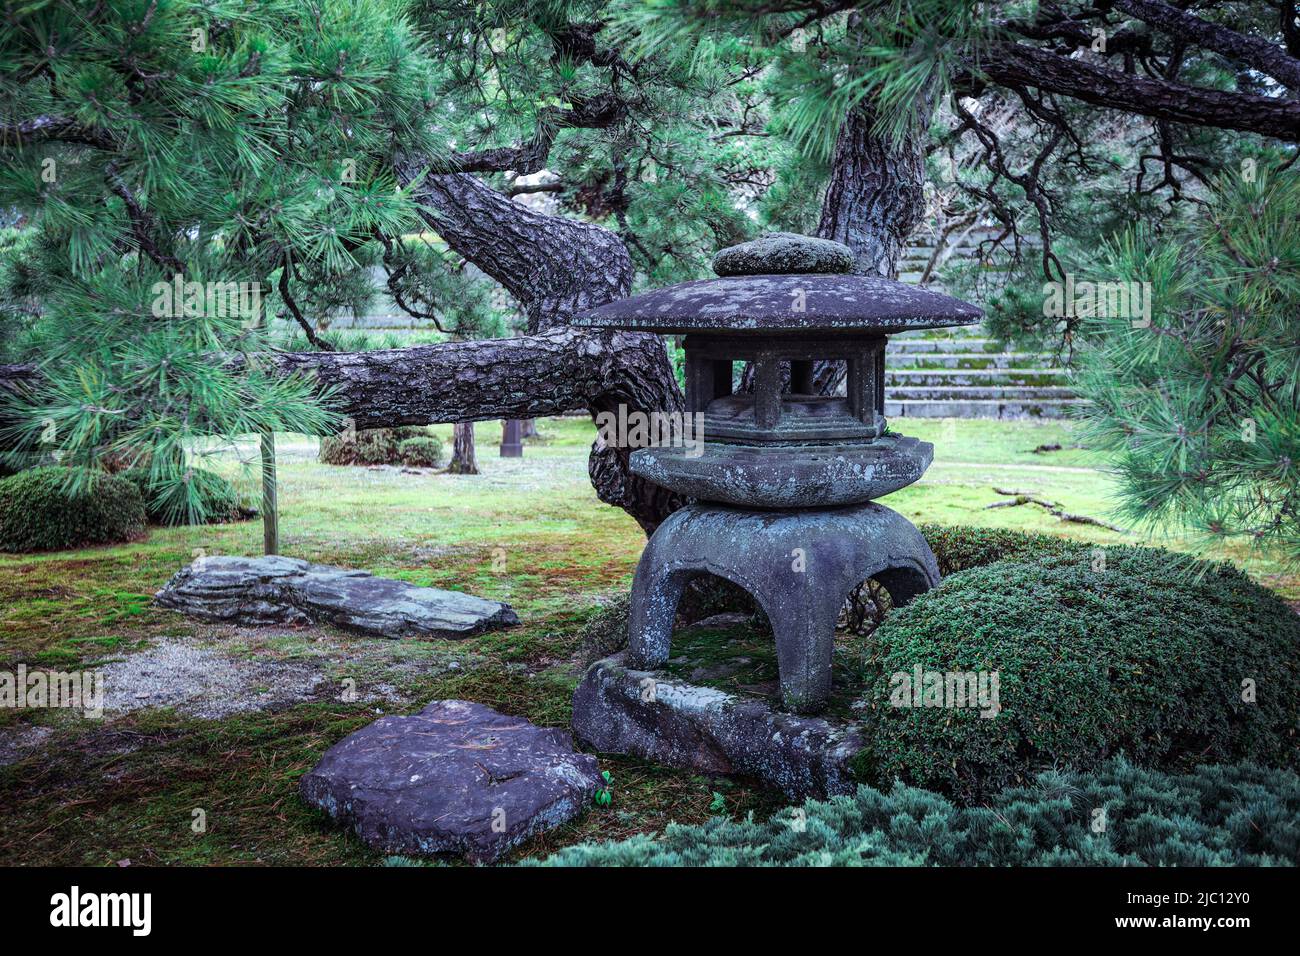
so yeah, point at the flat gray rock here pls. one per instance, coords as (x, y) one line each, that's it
(620, 709)
(458, 777)
(783, 253)
(279, 590)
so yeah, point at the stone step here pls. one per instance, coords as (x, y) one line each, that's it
(901, 345)
(955, 333)
(967, 360)
(977, 377)
(983, 408)
(963, 393)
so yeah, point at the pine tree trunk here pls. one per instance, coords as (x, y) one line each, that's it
(876, 195)
(463, 460)
(874, 202)
(270, 496)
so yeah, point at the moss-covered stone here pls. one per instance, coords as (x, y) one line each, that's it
(784, 253)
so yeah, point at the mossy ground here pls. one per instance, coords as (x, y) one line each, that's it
(529, 531)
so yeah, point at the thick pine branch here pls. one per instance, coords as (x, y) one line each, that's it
(1020, 66)
(1256, 52)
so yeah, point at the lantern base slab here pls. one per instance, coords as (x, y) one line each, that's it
(650, 714)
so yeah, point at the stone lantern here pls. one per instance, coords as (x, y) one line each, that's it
(784, 489)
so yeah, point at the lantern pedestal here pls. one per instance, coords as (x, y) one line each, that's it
(799, 565)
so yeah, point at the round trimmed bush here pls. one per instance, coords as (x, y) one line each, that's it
(39, 511)
(1165, 660)
(369, 446)
(423, 451)
(218, 500)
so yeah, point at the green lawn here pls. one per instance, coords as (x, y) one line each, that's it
(97, 792)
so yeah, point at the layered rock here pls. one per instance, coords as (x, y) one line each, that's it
(279, 590)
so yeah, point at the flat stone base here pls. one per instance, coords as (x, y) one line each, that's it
(617, 709)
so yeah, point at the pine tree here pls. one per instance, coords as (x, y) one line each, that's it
(185, 164)
(1201, 408)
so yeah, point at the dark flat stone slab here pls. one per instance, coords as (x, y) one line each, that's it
(279, 590)
(618, 709)
(458, 777)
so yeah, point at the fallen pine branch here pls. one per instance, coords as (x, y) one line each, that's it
(1025, 498)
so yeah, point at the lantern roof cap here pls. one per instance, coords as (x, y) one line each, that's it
(784, 305)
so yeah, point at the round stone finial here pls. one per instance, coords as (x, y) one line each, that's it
(784, 253)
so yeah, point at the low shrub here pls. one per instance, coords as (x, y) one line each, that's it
(369, 446)
(1214, 816)
(1156, 657)
(423, 451)
(207, 498)
(958, 548)
(51, 509)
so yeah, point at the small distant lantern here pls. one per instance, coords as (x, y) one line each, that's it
(512, 438)
(787, 478)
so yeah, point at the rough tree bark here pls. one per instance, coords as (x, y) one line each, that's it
(557, 267)
(874, 201)
(876, 195)
(463, 459)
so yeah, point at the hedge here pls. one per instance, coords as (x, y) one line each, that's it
(40, 511)
(372, 446)
(1120, 815)
(1152, 657)
(423, 451)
